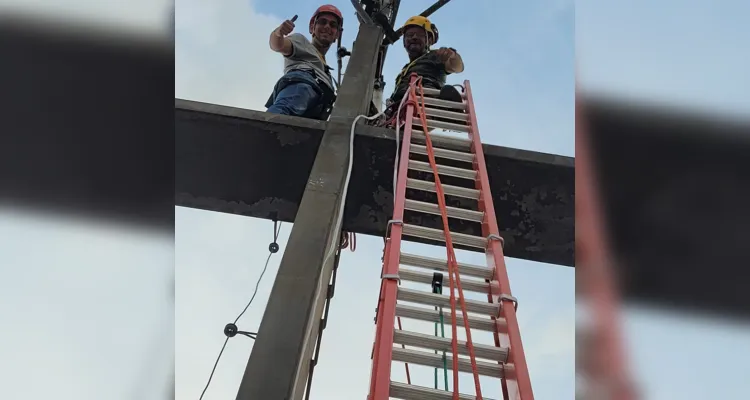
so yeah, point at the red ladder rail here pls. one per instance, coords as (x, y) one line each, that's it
(607, 367)
(517, 383)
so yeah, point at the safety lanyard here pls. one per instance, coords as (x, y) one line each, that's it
(322, 59)
(406, 68)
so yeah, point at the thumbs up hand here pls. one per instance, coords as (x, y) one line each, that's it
(287, 26)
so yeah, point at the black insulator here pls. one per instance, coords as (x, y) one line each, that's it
(230, 330)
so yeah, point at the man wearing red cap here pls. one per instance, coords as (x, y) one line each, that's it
(306, 89)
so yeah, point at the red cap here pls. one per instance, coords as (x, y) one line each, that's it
(328, 8)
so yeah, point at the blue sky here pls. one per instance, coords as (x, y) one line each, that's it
(690, 53)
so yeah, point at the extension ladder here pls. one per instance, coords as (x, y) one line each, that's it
(505, 358)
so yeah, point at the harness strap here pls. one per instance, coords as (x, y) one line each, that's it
(327, 96)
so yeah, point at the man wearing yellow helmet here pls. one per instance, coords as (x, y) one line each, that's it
(432, 65)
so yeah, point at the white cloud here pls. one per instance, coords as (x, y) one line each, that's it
(222, 54)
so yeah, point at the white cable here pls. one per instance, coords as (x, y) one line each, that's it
(349, 173)
(342, 202)
(351, 162)
(335, 243)
(351, 158)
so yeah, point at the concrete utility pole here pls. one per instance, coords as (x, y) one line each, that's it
(280, 360)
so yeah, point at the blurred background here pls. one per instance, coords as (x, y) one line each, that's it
(86, 214)
(662, 138)
(92, 247)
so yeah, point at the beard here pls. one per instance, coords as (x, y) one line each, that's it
(325, 39)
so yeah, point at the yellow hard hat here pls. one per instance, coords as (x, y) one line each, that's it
(420, 21)
(435, 35)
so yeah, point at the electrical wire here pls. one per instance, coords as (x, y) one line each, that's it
(340, 215)
(224, 346)
(251, 335)
(255, 292)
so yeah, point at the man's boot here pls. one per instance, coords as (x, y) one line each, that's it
(450, 93)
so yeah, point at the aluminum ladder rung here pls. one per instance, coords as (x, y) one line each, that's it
(434, 92)
(437, 234)
(436, 361)
(403, 391)
(429, 91)
(440, 344)
(452, 212)
(450, 190)
(448, 126)
(443, 153)
(443, 140)
(434, 112)
(453, 105)
(476, 271)
(439, 300)
(443, 170)
(472, 285)
(432, 315)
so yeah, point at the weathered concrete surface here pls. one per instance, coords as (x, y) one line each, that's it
(256, 164)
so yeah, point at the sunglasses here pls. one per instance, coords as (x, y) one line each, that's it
(413, 34)
(330, 22)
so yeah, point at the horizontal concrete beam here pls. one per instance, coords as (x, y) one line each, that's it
(257, 164)
(675, 193)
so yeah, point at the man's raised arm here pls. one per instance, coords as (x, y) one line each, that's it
(278, 40)
(452, 60)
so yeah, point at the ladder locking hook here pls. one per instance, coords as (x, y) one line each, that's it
(507, 297)
(497, 237)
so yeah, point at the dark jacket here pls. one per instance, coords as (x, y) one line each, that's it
(429, 67)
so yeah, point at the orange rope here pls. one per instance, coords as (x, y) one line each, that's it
(452, 266)
(348, 239)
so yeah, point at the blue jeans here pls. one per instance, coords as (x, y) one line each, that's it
(296, 93)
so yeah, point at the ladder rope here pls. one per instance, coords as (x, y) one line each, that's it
(452, 265)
